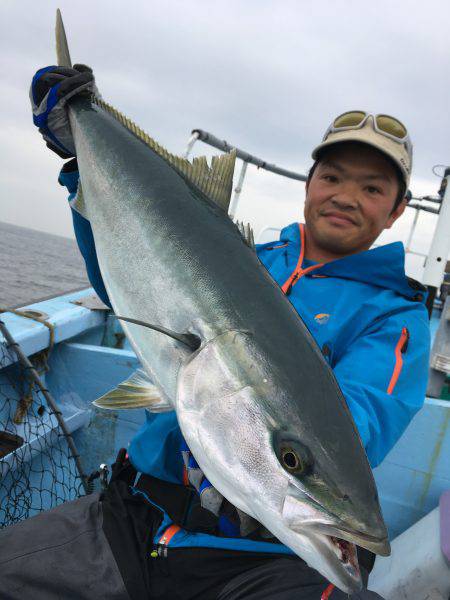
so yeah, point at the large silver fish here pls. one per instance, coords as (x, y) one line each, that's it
(255, 400)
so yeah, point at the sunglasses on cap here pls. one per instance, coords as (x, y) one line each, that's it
(383, 124)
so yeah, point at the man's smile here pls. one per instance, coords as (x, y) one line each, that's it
(338, 218)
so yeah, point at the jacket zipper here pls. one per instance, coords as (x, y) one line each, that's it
(160, 549)
(298, 272)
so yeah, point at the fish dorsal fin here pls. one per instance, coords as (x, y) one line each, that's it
(215, 181)
(135, 392)
(247, 234)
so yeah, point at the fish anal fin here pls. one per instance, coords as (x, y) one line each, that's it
(135, 392)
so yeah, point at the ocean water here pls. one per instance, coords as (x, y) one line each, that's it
(36, 265)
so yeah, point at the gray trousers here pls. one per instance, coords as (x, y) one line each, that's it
(61, 554)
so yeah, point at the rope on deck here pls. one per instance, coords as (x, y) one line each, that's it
(29, 314)
(40, 359)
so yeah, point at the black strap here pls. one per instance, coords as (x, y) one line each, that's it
(175, 499)
(129, 523)
(181, 503)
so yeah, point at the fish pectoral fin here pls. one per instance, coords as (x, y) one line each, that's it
(135, 392)
(78, 203)
(190, 340)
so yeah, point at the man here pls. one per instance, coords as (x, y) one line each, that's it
(370, 322)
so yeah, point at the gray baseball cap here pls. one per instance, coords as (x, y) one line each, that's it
(383, 132)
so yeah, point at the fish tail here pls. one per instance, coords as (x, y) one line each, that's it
(215, 181)
(62, 48)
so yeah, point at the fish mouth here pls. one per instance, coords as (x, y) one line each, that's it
(374, 544)
(302, 513)
(333, 536)
(347, 556)
(341, 557)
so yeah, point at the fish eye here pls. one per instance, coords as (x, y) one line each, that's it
(292, 454)
(292, 461)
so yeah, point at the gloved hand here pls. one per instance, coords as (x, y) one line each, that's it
(50, 90)
(210, 498)
(231, 521)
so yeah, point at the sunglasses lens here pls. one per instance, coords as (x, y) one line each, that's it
(349, 119)
(391, 126)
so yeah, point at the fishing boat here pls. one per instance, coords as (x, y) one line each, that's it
(59, 354)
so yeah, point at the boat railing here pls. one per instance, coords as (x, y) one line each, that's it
(246, 157)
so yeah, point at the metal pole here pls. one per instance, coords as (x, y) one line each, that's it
(411, 232)
(190, 145)
(28, 366)
(440, 244)
(237, 191)
(440, 354)
(212, 140)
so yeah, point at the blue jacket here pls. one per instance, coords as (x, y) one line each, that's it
(370, 321)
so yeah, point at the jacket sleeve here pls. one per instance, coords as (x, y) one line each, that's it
(383, 376)
(83, 233)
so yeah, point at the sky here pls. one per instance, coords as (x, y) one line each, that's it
(266, 76)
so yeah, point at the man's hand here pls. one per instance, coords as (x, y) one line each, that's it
(50, 90)
(210, 498)
(231, 521)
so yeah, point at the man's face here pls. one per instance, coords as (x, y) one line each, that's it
(350, 198)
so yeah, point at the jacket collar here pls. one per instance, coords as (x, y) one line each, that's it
(383, 266)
